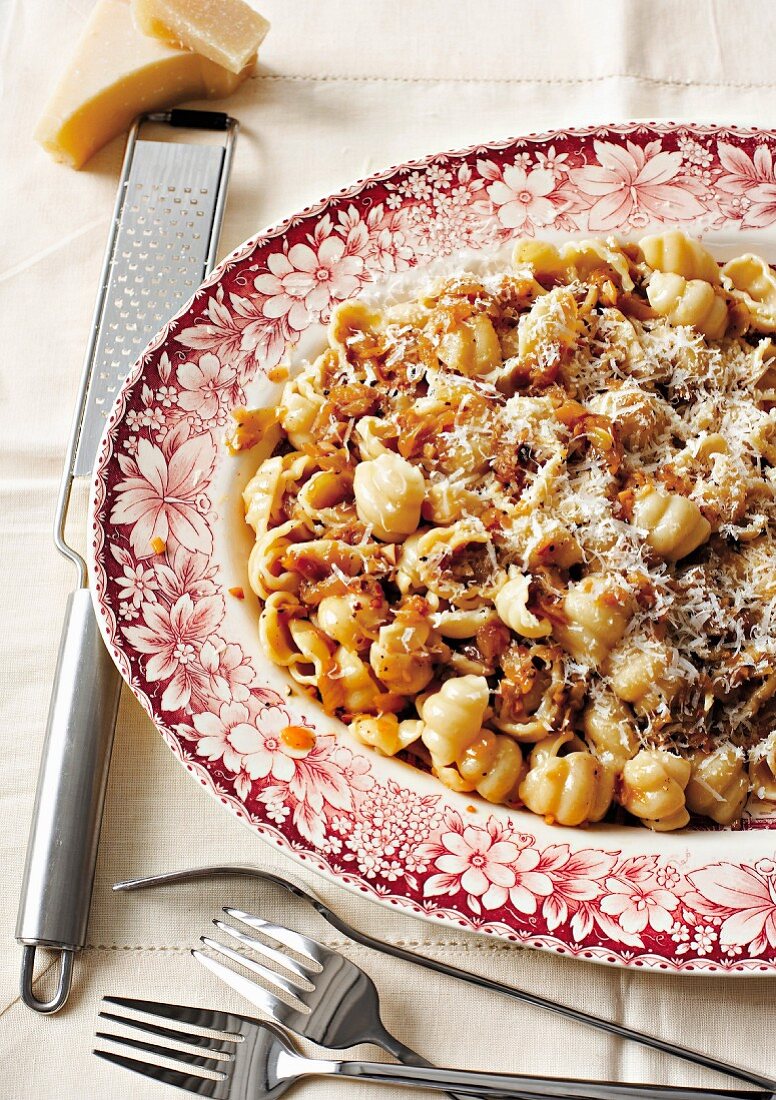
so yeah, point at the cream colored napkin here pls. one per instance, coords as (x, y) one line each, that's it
(344, 88)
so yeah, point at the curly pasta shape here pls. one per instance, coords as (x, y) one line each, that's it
(652, 788)
(543, 258)
(596, 617)
(402, 657)
(675, 253)
(352, 323)
(472, 348)
(640, 673)
(389, 492)
(586, 257)
(267, 569)
(750, 281)
(279, 611)
(320, 500)
(719, 785)
(375, 437)
(493, 764)
(511, 605)
(571, 788)
(675, 525)
(453, 717)
(527, 705)
(300, 404)
(458, 622)
(353, 620)
(385, 732)
(447, 501)
(350, 685)
(610, 730)
(312, 661)
(640, 416)
(264, 493)
(688, 302)
(455, 563)
(261, 495)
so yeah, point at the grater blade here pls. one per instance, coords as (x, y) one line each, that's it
(157, 257)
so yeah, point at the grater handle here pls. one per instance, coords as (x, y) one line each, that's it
(62, 849)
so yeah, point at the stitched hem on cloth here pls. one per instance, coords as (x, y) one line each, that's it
(541, 80)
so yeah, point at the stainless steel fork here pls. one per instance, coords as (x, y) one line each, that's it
(252, 1060)
(336, 1005)
(332, 1001)
(306, 894)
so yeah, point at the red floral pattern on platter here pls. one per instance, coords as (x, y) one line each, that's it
(612, 895)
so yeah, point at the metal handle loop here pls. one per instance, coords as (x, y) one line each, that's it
(66, 957)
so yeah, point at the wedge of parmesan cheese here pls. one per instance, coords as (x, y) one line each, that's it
(227, 32)
(115, 74)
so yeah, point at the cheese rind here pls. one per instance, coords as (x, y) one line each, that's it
(228, 32)
(115, 74)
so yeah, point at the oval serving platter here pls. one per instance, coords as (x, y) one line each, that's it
(169, 548)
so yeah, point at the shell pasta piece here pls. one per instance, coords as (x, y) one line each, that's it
(566, 783)
(653, 786)
(494, 765)
(389, 493)
(718, 785)
(688, 302)
(610, 730)
(511, 604)
(679, 254)
(595, 618)
(553, 320)
(752, 283)
(471, 348)
(453, 717)
(675, 525)
(385, 732)
(402, 656)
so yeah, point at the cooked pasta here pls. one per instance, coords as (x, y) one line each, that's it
(519, 530)
(566, 783)
(453, 717)
(688, 302)
(653, 788)
(718, 784)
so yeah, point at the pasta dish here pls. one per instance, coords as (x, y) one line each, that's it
(519, 530)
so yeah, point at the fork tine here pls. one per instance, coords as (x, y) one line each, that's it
(247, 988)
(202, 1086)
(278, 957)
(218, 1065)
(224, 1045)
(198, 1017)
(311, 949)
(290, 987)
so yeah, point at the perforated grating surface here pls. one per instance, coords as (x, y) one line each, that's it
(159, 257)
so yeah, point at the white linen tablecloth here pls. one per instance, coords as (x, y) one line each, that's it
(343, 88)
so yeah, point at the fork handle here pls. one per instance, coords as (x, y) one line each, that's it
(404, 1054)
(475, 1083)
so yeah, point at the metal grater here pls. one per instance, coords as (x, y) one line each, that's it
(169, 213)
(166, 224)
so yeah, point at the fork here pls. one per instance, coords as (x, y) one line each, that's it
(252, 1060)
(337, 1005)
(306, 894)
(342, 1009)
